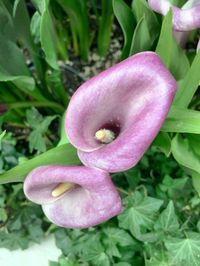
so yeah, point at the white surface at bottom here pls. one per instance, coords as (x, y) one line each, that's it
(35, 255)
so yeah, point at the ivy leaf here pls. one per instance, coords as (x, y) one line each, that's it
(184, 251)
(173, 188)
(63, 241)
(115, 238)
(13, 240)
(33, 117)
(160, 259)
(168, 221)
(140, 213)
(40, 126)
(119, 236)
(96, 254)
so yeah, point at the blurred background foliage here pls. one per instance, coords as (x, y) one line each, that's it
(47, 49)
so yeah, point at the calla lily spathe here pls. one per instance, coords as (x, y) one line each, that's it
(185, 19)
(73, 197)
(131, 100)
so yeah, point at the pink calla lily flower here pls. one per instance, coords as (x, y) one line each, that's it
(185, 19)
(73, 196)
(113, 118)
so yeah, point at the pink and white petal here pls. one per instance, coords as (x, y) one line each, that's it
(136, 94)
(161, 6)
(82, 208)
(186, 19)
(116, 96)
(92, 200)
(191, 3)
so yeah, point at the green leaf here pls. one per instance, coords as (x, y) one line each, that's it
(189, 84)
(1, 137)
(63, 241)
(63, 136)
(140, 213)
(182, 121)
(159, 258)
(34, 118)
(133, 176)
(141, 9)
(40, 126)
(196, 181)
(97, 255)
(169, 51)
(13, 67)
(21, 22)
(48, 39)
(184, 251)
(141, 39)
(184, 154)
(168, 221)
(48, 36)
(174, 188)
(3, 215)
(13, 240)
(163, 143)
(194, 140)
(37, 121)
(105, 27)
(126, 20)
(77, 12)
(119, 236)
(35, 27)
(6, 21)
(65, 155)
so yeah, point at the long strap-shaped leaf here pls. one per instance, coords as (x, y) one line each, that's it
(189, 85)
(61, 155)
(182, 120)
(127, 22)
(77, 12)
(105, 27)
(171, 54)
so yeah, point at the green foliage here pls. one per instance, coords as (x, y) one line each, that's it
(184, 251)
(39, 126)
(169, 51)
(189, 85)
(21, 222)
(160, 222)
(77, 12)
(126, 20)
(141, 38)
(149, 25)
(105, 27)
(182, 120)
(47, 35)
(140, 214)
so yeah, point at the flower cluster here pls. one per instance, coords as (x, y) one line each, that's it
(111, 120)
(185, 19)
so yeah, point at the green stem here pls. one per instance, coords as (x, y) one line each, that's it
(36, 104)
